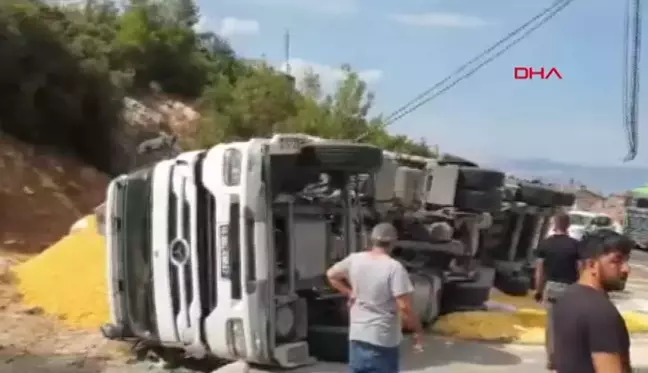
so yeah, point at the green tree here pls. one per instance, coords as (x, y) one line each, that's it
(261, 102)
(67, 69)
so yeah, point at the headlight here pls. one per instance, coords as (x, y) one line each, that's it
(236, 338)
(285, 321)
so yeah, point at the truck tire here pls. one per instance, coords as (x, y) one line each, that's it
(446, 158)
(479, 178)
(536, 194)
(478, 201)
(466, 296)
(564, 199)
(515, 284)
(350, 157)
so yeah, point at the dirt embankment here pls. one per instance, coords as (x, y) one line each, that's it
(41, 195)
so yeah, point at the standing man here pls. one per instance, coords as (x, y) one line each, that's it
(379, 292)
(556, 269)
(591, 335)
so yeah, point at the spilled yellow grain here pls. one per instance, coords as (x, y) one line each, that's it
(524, 326)
(69, 279)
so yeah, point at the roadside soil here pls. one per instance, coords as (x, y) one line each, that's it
(41, 195)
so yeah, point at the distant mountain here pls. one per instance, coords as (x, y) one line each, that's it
(604, 179)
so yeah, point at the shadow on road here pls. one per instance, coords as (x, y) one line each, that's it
(448, 352)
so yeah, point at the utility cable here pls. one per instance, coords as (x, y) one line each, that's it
(631, 73)
(477, 58)
(547, 17)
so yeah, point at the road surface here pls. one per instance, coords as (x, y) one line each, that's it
(635, 296)
(441, 354)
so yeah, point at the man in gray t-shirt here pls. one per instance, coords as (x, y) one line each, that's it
(379, 291)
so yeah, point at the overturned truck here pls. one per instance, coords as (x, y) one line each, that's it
(223, 252)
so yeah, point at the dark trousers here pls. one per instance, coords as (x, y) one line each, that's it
(368, 358)
(551, 293)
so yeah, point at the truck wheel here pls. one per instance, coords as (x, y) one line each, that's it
(536, 194)
(350, 157)
(465, 296)
(564, 199)
(478, 201)
(515, 284)
(446, 158)
(479, 178)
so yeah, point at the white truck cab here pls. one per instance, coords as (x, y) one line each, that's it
(221, 252)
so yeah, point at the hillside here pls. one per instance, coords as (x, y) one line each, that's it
(42, 194)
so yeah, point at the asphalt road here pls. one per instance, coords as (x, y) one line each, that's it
(635, 296)
(441, 355)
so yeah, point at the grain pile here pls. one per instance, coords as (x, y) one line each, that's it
(69, 279)
(525, 325)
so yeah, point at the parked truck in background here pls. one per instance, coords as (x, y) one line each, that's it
(635, 222)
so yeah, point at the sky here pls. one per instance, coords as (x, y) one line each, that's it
(402, 48)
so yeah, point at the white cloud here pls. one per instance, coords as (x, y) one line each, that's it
(329, 75)
(437, 19)
(232, 26)
(331, 7)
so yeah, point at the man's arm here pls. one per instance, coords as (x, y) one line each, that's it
(338, 276)
(539, 268)
(609, 352)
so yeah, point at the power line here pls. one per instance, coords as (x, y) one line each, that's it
(631, 76)
(476, 58)
(563, 4)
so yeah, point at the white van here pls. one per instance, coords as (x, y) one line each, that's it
(587, 221)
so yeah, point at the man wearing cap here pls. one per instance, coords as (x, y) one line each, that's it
(590, 334)
(379, 291)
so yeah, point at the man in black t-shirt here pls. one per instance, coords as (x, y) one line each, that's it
(590, 334)
(556, 269)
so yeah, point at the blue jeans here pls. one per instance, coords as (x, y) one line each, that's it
(368, 358)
